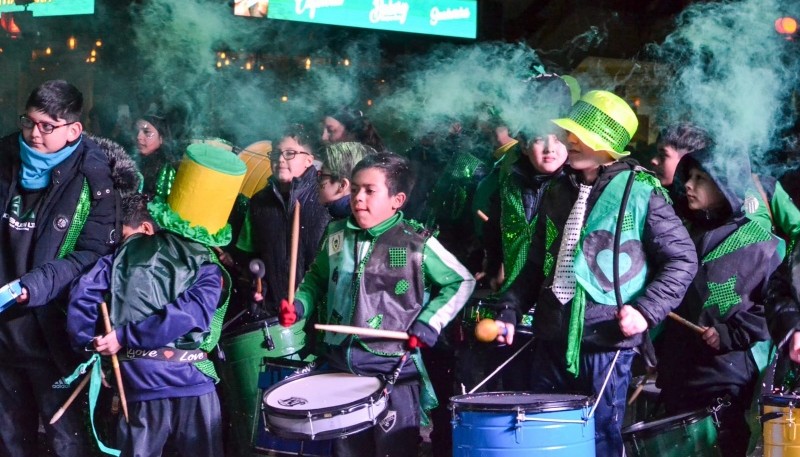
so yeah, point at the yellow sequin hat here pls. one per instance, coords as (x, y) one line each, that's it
(602, 121)
(202, 195)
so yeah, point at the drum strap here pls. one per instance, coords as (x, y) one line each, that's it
(165, 354)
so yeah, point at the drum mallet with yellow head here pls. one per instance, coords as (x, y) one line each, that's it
(488, 330)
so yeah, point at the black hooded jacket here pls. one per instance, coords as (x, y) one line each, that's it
(737, 256)
(37, 329)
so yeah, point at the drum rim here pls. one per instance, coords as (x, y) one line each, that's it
(580, 401)
(780, 400)
(692, 417)
(326, 435)
(315, 413)
(255, 325)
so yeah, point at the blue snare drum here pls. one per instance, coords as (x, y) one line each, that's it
(510, 424)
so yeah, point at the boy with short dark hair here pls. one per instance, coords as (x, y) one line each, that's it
(168, 295)
(587, 321)
(375, 270)
(58, 218)
(725, 299)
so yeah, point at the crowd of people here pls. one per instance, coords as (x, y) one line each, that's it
(591, 261)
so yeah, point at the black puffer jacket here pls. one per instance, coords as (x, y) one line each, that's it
(671, 259)
(271, 228)
(50, 277)
(737, 256)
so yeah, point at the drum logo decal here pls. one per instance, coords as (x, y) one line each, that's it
(388, 422)
(335, 242)
(292, 402)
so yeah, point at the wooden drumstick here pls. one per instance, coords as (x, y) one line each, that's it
(71, 398)
(691, 325)
(293, 252)
(115, 362)
(482, 216)
(639, 389)
(363, 331)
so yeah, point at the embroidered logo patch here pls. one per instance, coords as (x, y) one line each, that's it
(397, 257)
(335, 242)
(388, 422)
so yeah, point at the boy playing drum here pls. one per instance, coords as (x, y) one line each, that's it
(375, 270)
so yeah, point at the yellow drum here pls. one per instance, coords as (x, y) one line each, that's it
(781, 423)
(259, 168)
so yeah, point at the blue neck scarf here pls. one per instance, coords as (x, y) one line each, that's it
(36, 166)
(340, 208)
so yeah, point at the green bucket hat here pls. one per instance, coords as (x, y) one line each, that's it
(602, 121)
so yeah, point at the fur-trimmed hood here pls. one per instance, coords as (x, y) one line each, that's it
(124, 171)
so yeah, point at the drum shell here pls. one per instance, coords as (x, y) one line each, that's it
(245, 352)
(686, 435)
(781, 434)
(484, 428)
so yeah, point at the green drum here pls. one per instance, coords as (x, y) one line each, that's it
(246, 349)
(692, 434)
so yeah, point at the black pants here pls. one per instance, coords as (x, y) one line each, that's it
(397, 435)
(192, 425)
(28, 392)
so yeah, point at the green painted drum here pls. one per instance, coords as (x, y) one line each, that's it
(246, 349)
(690, 434)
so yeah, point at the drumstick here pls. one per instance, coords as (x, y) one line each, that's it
(293, 252)
(483, 216)
(115, 362)
(639, 389)
(693, 326)
(71, 398)
(363, 331)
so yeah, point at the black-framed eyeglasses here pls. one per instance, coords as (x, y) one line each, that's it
(27, 123)
(288, 154)
(321, 177)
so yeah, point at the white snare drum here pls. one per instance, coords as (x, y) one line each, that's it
(320, 406)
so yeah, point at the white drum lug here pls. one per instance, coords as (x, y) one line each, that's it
(311, 424)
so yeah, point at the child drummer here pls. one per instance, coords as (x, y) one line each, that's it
(584, 327)
(375, 270)
(165, 324)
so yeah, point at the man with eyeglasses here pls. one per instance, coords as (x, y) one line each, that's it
(58, 218)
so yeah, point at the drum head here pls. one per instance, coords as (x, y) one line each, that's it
(259, 168)
(512, 401)
(646, 429)
(316, 393)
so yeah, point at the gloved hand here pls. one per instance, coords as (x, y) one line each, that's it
(415, 343)
(421, 335)
(290, 312)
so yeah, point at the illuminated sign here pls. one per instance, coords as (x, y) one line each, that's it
(50, 7)
(456, 18)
